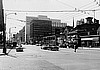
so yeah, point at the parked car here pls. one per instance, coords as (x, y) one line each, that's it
(50, 47)
(53, 48)
(45, 47)
(38, 44)
(63, 45)
(19, 49)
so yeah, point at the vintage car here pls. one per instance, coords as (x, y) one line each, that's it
(50, 47)
(19, 48)
(53, 48)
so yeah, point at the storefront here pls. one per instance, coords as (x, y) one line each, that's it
(92, 41)
(86, 41)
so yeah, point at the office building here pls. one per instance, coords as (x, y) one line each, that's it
(42, 26)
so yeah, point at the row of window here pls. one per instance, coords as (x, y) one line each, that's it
(59, 24)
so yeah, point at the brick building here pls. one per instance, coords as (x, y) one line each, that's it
(89, 32)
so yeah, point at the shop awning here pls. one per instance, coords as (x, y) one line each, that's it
(90, 39)
(72, 33)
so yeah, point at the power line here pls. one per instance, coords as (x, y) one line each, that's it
(43, 11)
(68, 5)
(17, 19)
(53, 10)
(18, 25)
(86, 5)
(74, 7)
(95, 7)
(65, 4)
(91, 7)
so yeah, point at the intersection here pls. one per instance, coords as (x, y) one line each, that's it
(35, 58)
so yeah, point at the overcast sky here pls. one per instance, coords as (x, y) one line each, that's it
(48, 5)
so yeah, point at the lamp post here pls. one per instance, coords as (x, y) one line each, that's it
(8, 15)
(4, 32)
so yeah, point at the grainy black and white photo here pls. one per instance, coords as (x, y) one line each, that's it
(49, 34)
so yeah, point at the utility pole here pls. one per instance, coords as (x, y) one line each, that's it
(3, 25)
(73, 22)
(94, 15)
(4, 36)
(25, 32)
(99, 2)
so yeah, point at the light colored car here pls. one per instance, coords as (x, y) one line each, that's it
(50, 47)
(45, 47)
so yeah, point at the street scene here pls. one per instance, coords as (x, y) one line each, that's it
(34, 58)
(49, 35)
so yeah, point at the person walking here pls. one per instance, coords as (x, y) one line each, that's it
(75, 45)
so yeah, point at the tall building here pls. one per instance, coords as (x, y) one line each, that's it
(27, 28)
(39, 29)
(56, 24)
(42, 23)
(21, 35)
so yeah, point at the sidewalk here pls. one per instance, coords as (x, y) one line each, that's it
(87, 48)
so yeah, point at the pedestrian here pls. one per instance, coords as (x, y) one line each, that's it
(75, 45)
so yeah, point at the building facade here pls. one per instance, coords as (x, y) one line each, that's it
(57, 25)
(42, 26)
(39, 29)
(27, 27)
(88, 32)
(21, 35)
(89, 28)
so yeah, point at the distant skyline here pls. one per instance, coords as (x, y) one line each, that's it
(49, 5)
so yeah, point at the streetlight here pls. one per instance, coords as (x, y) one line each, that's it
(4, 32)
(7, 15)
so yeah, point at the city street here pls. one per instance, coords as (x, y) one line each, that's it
(34, 58)
(27, 24)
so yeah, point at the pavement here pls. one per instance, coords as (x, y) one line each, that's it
(34, 58)
(27, 60)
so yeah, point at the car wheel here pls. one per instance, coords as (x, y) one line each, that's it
(41, 47)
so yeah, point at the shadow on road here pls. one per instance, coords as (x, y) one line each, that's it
(12, 56)
(2, 54)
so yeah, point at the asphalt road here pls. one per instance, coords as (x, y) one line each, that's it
(34, 58)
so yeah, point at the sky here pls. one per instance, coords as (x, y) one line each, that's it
(48, 5)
